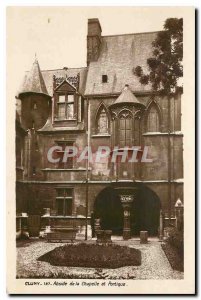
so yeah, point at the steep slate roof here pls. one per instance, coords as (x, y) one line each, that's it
(42, 81)
(119, 55)
(48, 77)
(33, 81)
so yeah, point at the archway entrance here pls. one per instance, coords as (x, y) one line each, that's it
(144, 210)
(109, 209)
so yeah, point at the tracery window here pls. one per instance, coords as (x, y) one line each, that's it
(125, 129)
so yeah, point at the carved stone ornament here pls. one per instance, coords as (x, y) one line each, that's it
(126, 198)
(73, 80)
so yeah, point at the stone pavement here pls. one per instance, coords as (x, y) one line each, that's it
(155, 264)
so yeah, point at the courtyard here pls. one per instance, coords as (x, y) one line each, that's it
(154, 263)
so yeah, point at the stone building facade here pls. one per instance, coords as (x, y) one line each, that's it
(102, 104)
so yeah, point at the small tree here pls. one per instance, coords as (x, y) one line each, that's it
(165, 65)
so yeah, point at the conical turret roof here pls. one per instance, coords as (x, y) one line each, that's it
(33, 81)
(127, 97)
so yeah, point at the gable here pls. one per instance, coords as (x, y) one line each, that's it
(65, 87)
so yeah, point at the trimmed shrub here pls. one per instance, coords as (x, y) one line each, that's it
(174, 248)
(93, 256)
(176, 239)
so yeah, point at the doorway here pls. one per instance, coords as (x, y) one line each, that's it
(144, 213)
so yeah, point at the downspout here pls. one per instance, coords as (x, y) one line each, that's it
(87, 168)
(169, 162)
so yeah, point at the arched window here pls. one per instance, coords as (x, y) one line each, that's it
(153, 122)
(125, 129)
(102, 121)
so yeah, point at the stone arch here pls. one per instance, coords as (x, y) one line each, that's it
(144, 210)
(125, 110)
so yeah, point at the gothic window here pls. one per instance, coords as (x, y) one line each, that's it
(102, 121)
(125, 129)
(64, 201)
(66, 107)
(153, 120)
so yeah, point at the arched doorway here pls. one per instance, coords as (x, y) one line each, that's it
(108, 208)
(144, 211)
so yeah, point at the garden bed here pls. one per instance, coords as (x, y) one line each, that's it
(174, 249)
(93, 256)
(173, 256)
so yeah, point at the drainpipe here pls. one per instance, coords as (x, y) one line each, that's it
(169, 160)
(87, 169)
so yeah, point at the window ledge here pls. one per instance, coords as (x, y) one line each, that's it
(64, 170)
(163, 133)
(101, 135)
(66, 120)
(65, 217)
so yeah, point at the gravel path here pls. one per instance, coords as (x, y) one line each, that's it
(155, 264)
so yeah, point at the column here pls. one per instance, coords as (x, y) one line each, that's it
(126, 201)
(179, 213)
(161, 226)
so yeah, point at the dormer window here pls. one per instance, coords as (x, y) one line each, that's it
(104, 78)
(66, 107)
(61, 98)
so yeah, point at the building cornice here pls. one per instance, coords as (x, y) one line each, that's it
(114, 95)
(175, 181)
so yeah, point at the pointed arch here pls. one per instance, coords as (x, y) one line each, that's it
(102, 120)
(125, 112)
(153, 117)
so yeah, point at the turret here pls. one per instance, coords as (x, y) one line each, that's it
(35, 100)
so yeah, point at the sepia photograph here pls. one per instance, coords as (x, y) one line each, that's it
(99, 128)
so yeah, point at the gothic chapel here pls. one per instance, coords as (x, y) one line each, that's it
(100, 104)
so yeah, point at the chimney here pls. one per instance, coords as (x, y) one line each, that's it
(93, 40)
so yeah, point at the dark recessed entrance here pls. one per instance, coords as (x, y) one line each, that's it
(144, 212)
(109, 209)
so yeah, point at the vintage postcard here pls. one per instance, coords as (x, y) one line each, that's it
(100, 150)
